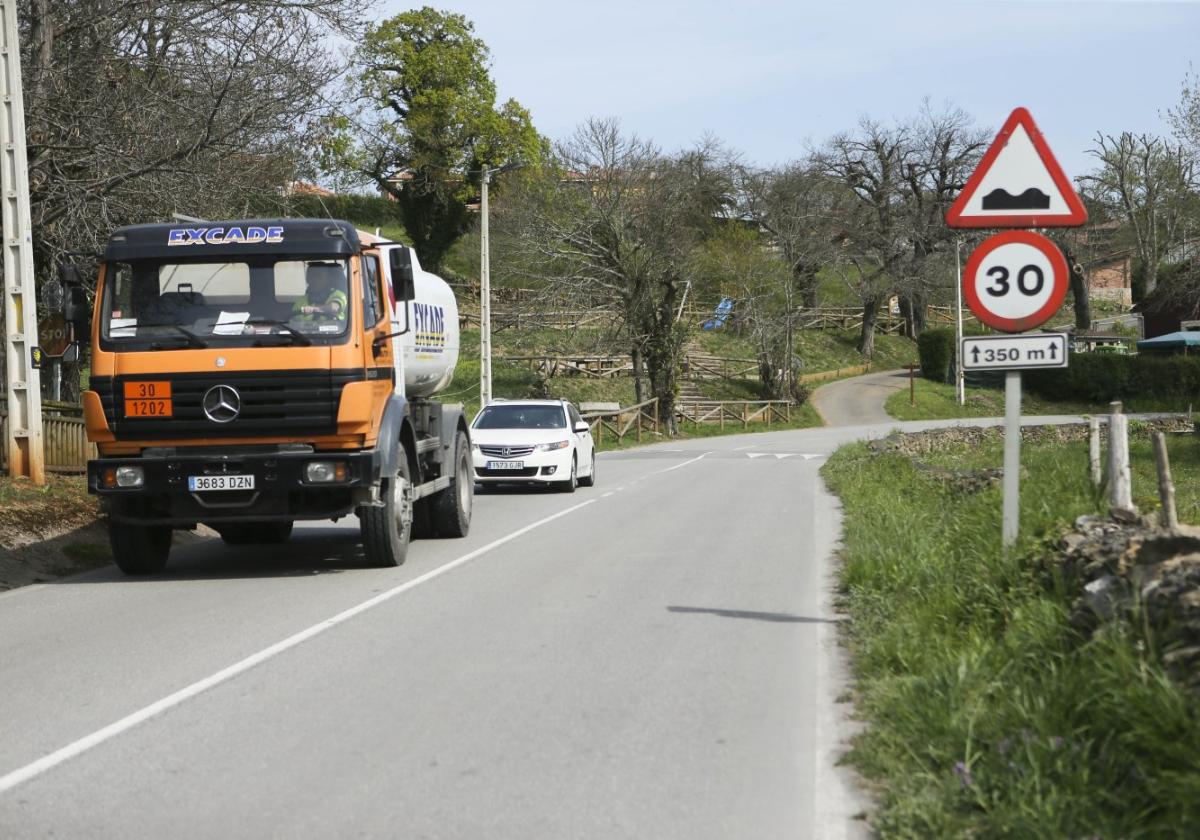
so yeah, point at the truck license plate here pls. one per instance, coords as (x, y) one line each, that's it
(506, 465)
(203, 483)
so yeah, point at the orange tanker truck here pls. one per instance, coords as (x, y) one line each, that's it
(249, 374)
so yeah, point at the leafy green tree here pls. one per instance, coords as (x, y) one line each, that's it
(430, 124)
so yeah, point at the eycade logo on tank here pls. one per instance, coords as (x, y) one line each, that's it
(429, 330)
(233, 235)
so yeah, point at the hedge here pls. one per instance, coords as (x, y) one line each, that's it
(935, 349)
(1101, 378)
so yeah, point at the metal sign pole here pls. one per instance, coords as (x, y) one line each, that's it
(1012, 458)
(23, 381)
(960, 385)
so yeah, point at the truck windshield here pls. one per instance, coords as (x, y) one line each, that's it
(158, 305)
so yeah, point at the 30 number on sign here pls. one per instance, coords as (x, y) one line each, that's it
(1015, 281)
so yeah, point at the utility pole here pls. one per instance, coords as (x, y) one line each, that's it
(22, 380)
(960, 388)
(485, 297)
(485, 285)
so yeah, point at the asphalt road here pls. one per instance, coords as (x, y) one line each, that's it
(651, 657)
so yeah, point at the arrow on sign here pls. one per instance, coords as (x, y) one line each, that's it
(975, 354)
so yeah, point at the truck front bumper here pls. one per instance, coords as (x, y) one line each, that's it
(282, 487)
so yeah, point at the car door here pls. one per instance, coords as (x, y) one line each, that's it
(584, 446)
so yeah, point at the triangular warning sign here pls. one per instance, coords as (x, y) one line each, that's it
(1018, 184)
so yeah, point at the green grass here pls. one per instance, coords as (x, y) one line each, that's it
(936, 401)
(820, 350)
(987, 714)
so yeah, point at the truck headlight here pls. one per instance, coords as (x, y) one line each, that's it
(550, 447)
(130, 476)
(325, 472)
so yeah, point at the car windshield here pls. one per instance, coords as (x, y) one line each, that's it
(522, 417)
(155, 304)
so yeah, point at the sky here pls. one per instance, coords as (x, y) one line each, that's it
(773, 78)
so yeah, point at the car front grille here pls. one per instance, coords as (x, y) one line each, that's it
(506, 451)
(527, 472)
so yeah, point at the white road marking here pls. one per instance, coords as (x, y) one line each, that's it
(684, 464)
(756, 454)
(606, 495)
(49, 762)
(781, 455)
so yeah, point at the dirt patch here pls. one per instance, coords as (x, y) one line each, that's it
(47, 532)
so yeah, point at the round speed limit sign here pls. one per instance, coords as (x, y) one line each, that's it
(1015, 281)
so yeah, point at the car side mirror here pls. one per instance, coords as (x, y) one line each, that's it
(403, 281)
(582, 426)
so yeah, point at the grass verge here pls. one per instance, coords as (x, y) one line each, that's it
(987, 714)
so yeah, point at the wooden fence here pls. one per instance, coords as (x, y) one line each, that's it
(597, 367)
(64, 438)
(714, 412)
(624, 421)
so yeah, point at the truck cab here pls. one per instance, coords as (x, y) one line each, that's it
(248, 374)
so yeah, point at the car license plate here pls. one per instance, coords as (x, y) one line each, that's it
(148, 399)
(203, 483)
(506, 465)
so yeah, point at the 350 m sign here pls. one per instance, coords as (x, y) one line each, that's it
(1016, 280)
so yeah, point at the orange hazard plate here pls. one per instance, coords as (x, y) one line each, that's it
(148, 399)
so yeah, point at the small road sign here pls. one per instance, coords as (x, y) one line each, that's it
(1014, 352)
(54, 335)
(1015, 281)
(1017, 184)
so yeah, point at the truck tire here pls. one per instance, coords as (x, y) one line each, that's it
(571, 483)
(255, 533)
(450, 509)
(386, 530)
(139, 549)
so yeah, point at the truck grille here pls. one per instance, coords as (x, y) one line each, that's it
(273, 403)
(506, 451)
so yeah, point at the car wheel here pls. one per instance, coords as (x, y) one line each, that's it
(589, 480)
(571, 483)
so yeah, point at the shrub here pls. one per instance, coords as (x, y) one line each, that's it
(1096, 378)
(935, 349)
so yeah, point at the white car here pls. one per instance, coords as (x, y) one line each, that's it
(533, 442)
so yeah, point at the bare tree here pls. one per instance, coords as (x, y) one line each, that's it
(871, 225)
(1147, 183)
(942, 149)
(138, 108)
(620, 222)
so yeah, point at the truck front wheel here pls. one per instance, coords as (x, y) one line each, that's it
(450, 509)
(139, 549)
(386, 529)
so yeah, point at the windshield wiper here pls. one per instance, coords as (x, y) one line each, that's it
(300, 337)
(193, 340)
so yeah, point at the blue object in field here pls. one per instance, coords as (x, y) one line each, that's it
(724, 308)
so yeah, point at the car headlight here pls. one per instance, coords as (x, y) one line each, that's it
(550, 447)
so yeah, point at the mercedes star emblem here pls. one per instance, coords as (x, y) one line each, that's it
(222, 403)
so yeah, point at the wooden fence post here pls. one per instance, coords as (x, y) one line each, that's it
(1094, 449)
(1166, 487)
(745, 414)
(1120, 482)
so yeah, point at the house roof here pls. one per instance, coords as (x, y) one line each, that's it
(1175, 339)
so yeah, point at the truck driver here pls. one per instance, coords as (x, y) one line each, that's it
(324, 298)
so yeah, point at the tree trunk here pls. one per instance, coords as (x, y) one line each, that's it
(639, 375)
(1080, 293)
(870, 314)
(914, 309)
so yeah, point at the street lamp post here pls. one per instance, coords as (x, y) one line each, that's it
(485, 286)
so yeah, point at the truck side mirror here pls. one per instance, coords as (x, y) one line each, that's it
(403, 283)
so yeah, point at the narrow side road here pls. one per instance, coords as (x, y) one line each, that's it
(858, 401)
